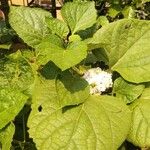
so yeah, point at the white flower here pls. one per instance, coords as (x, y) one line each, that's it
(98, 80)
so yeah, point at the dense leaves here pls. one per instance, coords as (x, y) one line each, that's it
(47, 76)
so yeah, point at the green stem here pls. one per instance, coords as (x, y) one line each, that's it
(77, 70)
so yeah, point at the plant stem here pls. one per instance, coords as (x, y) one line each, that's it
(77, 70)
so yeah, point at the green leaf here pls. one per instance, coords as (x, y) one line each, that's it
(140, 130)
(113, 12)
(91, 58)
(6, 136)
(129, 12)
(79, 15)
(126, 90)
(102, 122)
(6, 35)
(11, 102)
(71, 89)
(63, 58)
(101, 55)
(63, 90)
(16, 72)
(74, 38)
(53, 39)
(29, 23)
(57, 27)
(127, 44)
(102, 20)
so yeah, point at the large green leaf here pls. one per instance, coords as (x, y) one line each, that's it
(102, 122)
(29, 23)
(63, 90)
(127, 44)
(79, 15)
(126, 90)
(6, 136)
(11, 102)
(63, 58)
(57, 27)
(140, 130)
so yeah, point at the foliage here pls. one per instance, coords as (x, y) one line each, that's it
(47, 77)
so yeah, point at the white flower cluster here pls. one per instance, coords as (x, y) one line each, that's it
(98, 80)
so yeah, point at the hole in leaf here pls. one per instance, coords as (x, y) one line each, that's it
(40, 108)
(114, 94)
